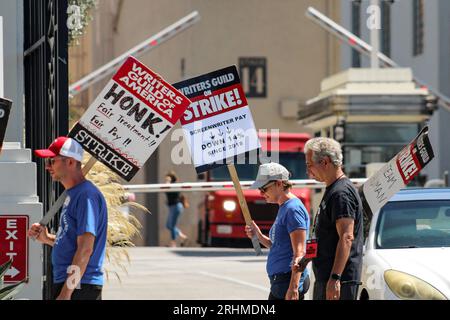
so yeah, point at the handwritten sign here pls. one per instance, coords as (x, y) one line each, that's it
(129, 118)
(398, 172)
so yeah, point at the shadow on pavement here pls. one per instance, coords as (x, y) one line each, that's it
(218, 253)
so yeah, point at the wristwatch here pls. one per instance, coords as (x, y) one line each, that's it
(336, 276)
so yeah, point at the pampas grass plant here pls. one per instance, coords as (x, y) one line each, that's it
(122, 227)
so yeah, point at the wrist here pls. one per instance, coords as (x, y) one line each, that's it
(48, 241)
(293, 289)
(66, 292)
(335, 276)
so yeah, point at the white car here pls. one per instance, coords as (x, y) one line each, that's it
(407, 250)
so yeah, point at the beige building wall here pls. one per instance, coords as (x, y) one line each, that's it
(299, 55)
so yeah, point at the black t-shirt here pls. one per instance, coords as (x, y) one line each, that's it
(172, 198)
(341, 200)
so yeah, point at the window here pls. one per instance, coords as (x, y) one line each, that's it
(356, 30)
(418, 26)
(378, 142)
(414, 224)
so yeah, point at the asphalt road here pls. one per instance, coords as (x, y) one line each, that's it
(159, 273)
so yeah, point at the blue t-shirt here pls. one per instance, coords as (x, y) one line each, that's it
(292, 215)
(83, 211)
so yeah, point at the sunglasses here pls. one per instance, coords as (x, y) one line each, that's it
(267, 186)
(51, 161)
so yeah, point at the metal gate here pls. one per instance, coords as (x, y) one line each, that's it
(46, 94)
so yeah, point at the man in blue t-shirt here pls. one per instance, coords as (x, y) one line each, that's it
(287, 236)
(80, 243)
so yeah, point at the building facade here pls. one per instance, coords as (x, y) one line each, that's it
(282, 57)
(414, 33)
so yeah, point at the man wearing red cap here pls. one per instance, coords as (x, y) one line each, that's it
(80, 243)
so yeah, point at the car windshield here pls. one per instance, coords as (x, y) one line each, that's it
(293, 161)
(414, 224)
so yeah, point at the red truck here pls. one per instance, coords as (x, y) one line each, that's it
(221, 222)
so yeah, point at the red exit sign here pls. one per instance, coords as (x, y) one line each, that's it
(14, 245)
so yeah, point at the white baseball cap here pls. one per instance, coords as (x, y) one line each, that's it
(269, 172)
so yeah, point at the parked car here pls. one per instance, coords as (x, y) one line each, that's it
(407, 250)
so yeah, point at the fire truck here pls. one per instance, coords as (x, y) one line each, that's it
(221, 222)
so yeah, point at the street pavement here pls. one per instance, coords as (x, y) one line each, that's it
(161, 273)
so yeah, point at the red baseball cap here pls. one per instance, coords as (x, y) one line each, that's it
(62, 146)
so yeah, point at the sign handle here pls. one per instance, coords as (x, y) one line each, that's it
(243, 204)
(58, 204)
(88, 166)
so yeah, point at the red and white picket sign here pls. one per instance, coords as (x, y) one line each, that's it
(129, 118)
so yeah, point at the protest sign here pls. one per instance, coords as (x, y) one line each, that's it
(5, 108)
(397, 173)
(129, 118)
(218, 125)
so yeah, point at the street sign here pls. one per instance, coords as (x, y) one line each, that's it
(129, 118)
(218, 125)
(14, 245)
(398, 172)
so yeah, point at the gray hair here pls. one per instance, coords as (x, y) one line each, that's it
(325, 147)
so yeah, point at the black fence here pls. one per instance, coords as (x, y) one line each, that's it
(46, 94)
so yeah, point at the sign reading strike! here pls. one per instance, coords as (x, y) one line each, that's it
(218, 125)
(129, 118)
(398, 172)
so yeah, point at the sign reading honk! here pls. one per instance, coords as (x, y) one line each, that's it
(129, 118)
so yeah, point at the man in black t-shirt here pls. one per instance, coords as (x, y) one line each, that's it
(338, 225)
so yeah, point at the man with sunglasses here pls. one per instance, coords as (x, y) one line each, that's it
(338, 224)
(287, 236)
(80, 243)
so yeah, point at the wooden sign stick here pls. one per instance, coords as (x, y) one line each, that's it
(244, 207)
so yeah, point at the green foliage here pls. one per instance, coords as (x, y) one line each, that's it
(79, 20)
(8, 292)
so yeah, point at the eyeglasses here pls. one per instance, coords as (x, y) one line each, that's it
(267, 186)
